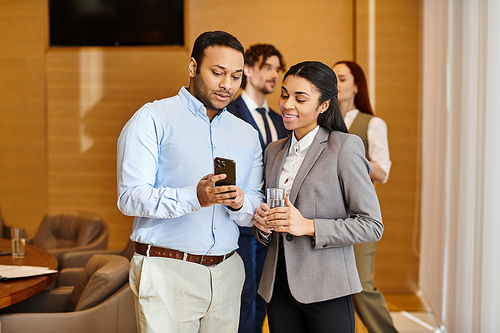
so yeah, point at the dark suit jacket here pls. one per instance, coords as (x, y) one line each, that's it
(332, 187)
(240, 110)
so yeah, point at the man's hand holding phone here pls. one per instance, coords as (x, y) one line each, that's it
(220, 187)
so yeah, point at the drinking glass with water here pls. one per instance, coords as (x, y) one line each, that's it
(275, 197)
(18, 238)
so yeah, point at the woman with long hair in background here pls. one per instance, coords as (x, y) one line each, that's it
(360, 119)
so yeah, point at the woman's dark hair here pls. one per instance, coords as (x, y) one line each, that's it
(213, 38)
(361, 100)
(325, 81)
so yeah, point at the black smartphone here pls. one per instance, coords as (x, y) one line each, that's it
(227, 166)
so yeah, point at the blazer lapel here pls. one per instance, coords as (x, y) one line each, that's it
(245, 113)
(312, 156)
(247, 116)
(277, 164)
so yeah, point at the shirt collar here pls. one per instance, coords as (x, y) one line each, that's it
(305, 142)
(192, 103)
(252, 106)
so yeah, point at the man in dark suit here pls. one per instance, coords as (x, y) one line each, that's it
(263, 62)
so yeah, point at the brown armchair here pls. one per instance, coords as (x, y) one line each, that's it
(73, 260)
(71, 231)
(100, 301)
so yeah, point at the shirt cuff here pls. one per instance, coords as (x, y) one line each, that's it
(187, 198)
(242, 216)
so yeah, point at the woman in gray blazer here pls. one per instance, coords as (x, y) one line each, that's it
(310, 271)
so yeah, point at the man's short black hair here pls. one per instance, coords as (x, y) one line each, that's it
(213, 38)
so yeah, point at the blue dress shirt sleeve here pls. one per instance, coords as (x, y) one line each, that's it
(137, 164)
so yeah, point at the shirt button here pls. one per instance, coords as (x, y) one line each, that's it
(289, 237)
(193, 209)
(210, 252)
(215, 148)
(215, 228)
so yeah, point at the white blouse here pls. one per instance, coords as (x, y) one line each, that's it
(294, 159)
(378, 145)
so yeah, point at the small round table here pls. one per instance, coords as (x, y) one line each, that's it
(16, 290)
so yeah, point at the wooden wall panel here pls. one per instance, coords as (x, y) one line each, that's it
(321, 30)
(92, 92)
(22, 113)
(397, 100)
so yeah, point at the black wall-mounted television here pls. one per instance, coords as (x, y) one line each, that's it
(116, 22)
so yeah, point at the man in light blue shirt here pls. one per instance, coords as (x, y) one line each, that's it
(185, 274)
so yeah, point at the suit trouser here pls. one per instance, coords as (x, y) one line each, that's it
(253, 306)
(173, 295)
(370, 303)
(287, 315)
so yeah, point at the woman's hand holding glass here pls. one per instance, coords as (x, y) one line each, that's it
(283, 219)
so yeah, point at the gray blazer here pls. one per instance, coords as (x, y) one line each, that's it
(332, 187)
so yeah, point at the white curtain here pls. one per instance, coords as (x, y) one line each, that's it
(459, 266)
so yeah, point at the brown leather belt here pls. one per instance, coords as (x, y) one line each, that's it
(156, 251)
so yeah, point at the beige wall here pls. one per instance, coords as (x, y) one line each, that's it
(396, 78)
(62, 109)
(23, 146)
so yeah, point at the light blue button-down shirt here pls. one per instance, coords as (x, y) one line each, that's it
(163, 152)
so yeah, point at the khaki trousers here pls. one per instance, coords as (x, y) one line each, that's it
(370, 303)
(172, 295)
